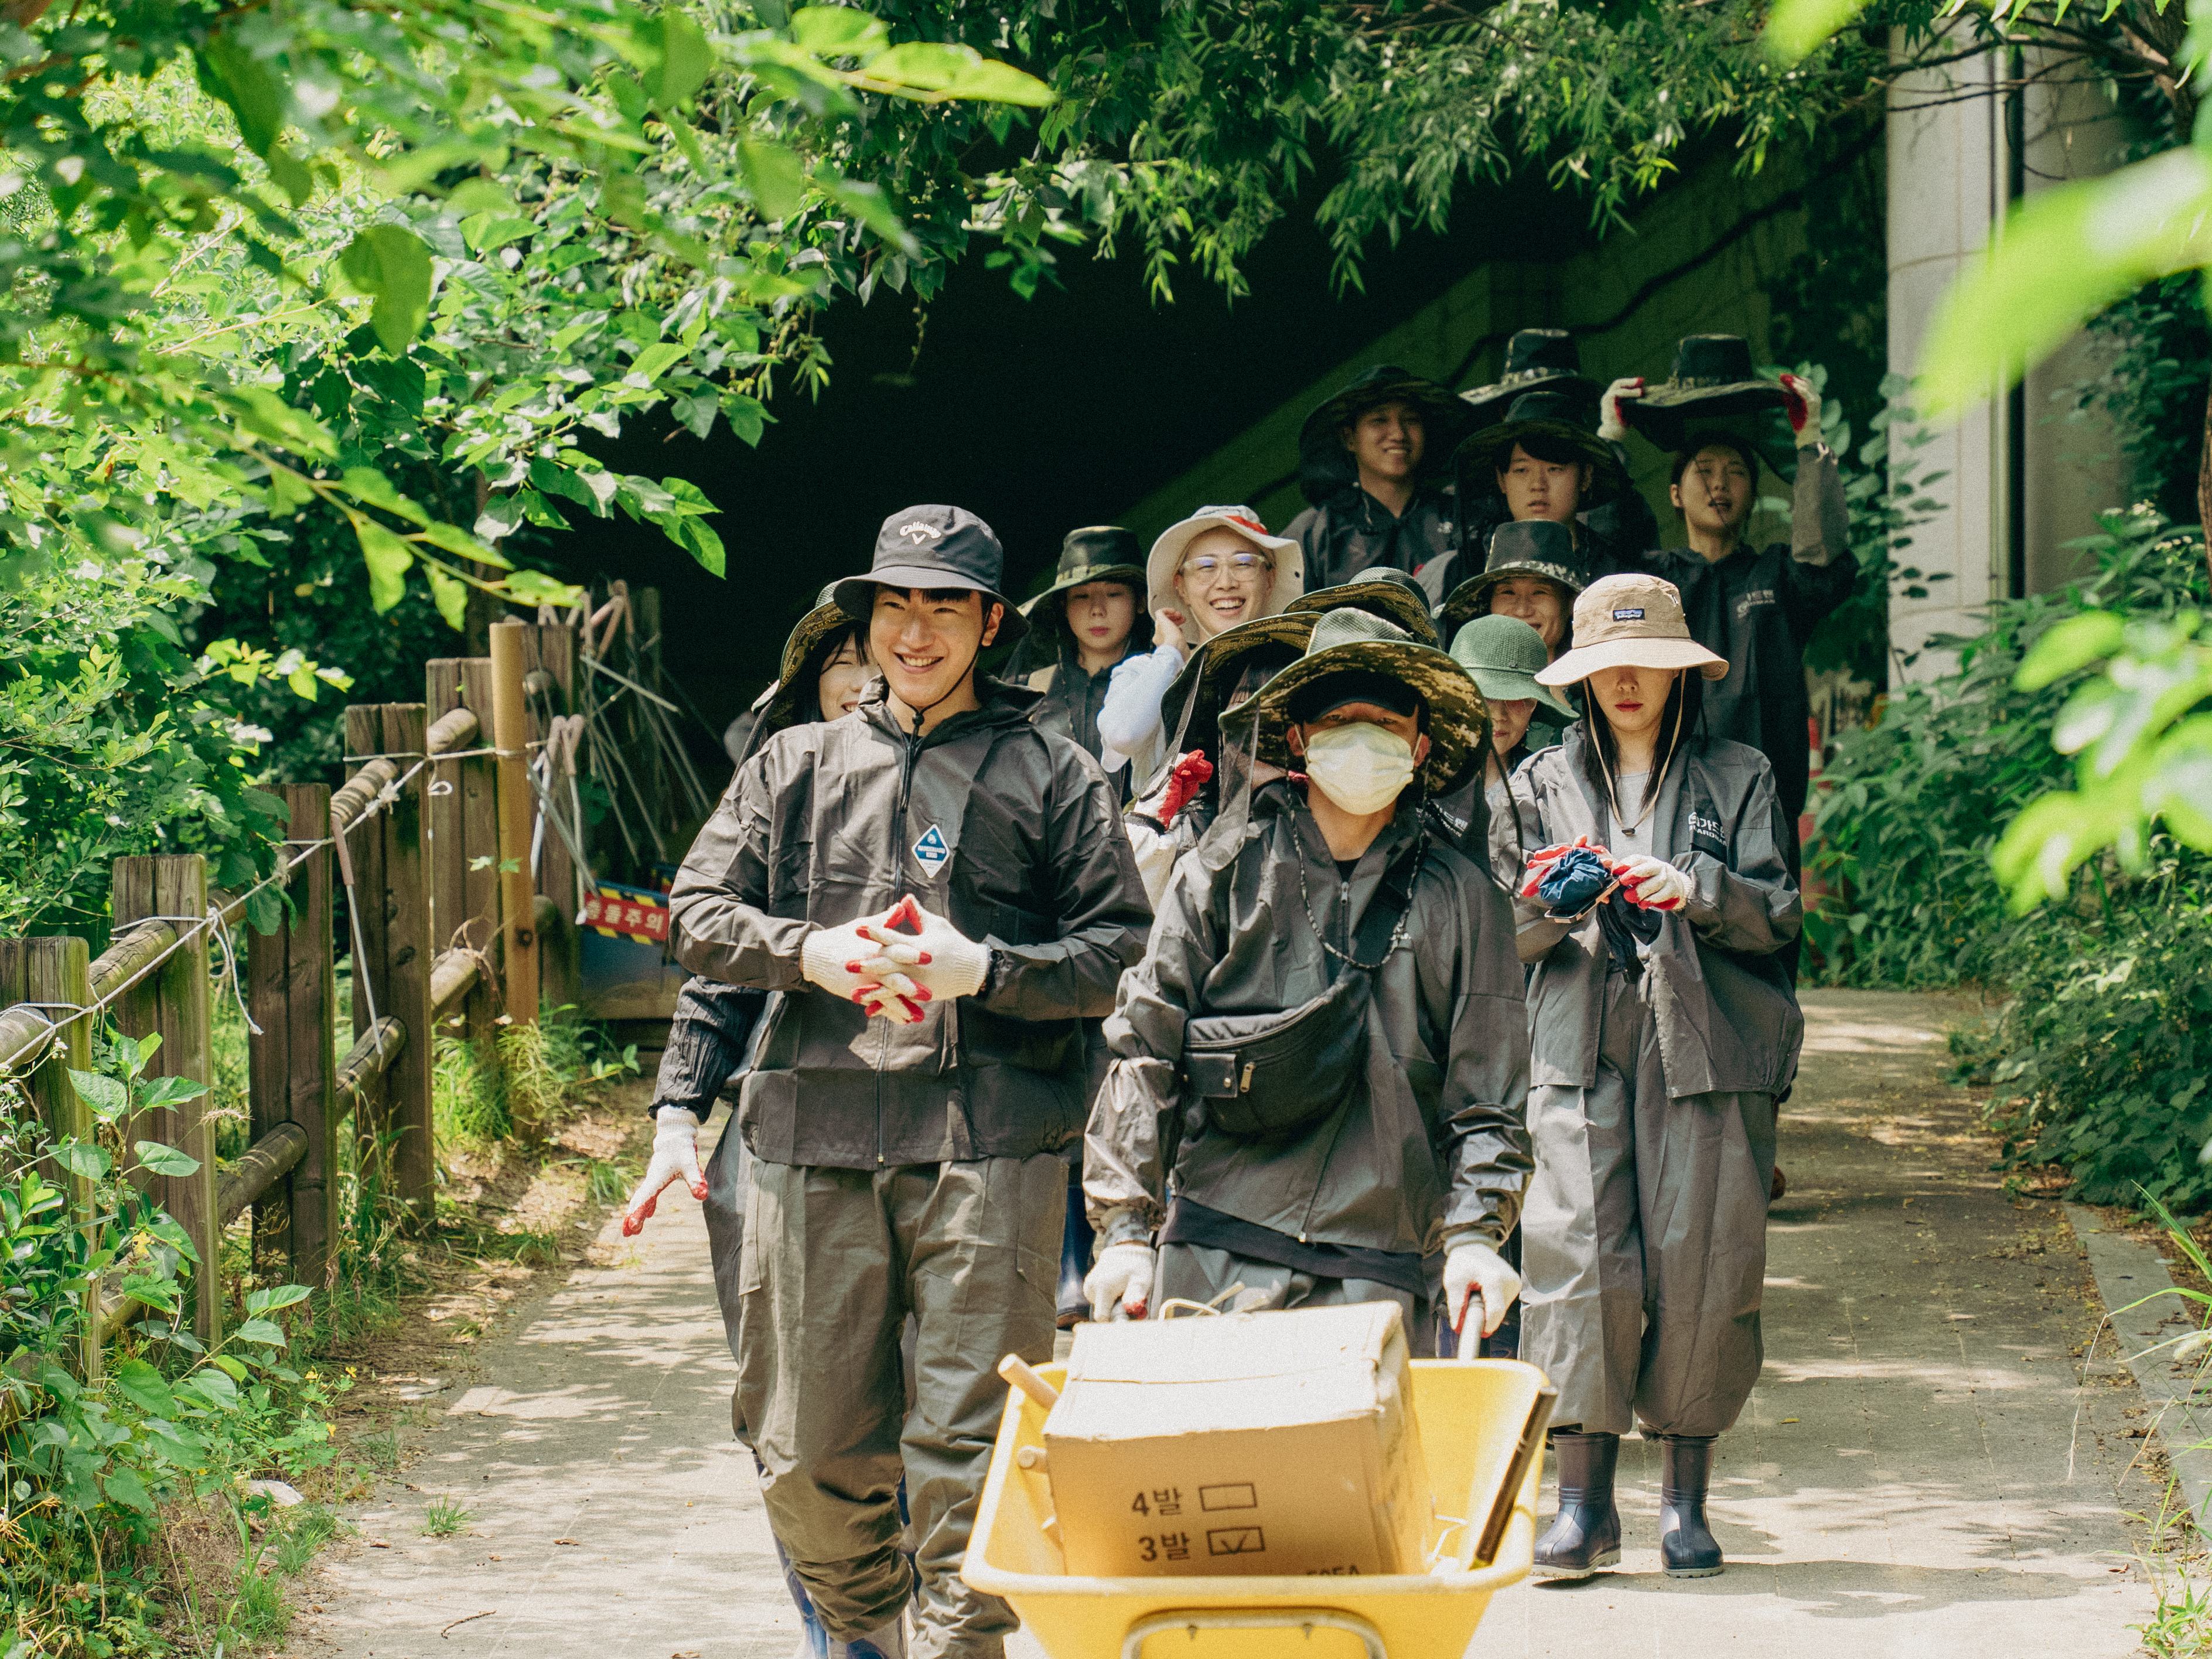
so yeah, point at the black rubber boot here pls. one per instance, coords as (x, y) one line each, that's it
(1687, 1548)
(1585, 1534)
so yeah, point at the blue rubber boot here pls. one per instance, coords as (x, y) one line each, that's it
(1687, 1548)
(1074, 1260)
(1585, 1534)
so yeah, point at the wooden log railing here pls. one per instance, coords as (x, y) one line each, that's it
(396, 843)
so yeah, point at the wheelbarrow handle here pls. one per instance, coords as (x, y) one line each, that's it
(1530, 1449)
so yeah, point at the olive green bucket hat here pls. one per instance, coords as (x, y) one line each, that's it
(796, 674)
(1530, 547)
(1458, 718)
(1713, 380)
(1502, 654)
(1567, 420)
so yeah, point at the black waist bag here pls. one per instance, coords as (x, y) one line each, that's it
(1269, 1076)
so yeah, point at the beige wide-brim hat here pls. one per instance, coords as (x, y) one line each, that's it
(1166, 558)
(1635, 621)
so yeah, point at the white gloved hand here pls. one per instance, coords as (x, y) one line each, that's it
(1611, 425)
(1472, 1266)
(1646, 881)
(675, 1157)
(1804, 409)
(831, 958)
(930, 964)
(1122, 1283)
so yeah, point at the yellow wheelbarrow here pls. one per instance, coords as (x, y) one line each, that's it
(1482, 1431)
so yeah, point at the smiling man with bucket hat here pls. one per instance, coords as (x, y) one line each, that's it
(942, 893)
(1375, 465)
(1379, 1149)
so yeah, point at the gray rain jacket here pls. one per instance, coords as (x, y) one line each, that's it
(1435, 1146)
(1725, 1008)
(1009, 833)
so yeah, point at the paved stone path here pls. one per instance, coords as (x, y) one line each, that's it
(1920, 1472)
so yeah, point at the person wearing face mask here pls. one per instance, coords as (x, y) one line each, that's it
(824, 669)
(1375, 465)
(1542, 462)
(1755, 606)
(1663, 1030)
(1205, 575)
(1389, 1167)
(941, 894)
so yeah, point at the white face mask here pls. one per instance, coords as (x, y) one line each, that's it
(1362, 767)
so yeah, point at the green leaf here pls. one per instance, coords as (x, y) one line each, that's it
(229, 72)
(142, 1386)
(265, 413)
(480, 195)
(686, 59)
(278, 1296)
(776, 178)
(655, 361)
(163, 1091)
(536, 588)
(166, 1160)
(124, 1487)
(2073, 644)
(372, 487)
(838, 31)
(388, 559)
(2064, 255)
(451, 595)
(454, 539)
(695, 538)
(106, 1095)
(266, 1331)
(1795, 27)
(291, 175)
(950, 71)
(486, 231)
(81, 1157)
(264, 911)
(868, 204)
(391, 264)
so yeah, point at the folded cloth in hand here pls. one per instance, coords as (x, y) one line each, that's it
(1573, 883)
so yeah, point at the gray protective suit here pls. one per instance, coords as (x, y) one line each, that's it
(1652, 1100)
(1432, 1148)
(910, 1169)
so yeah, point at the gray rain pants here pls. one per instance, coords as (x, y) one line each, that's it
(834, 1261)
(1645, 1239)
(1197, 1272)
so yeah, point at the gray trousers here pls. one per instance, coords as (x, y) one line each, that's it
(1644, 1241)
(1197, 1272)
(834, 1261)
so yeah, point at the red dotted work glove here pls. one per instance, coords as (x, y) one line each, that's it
(675, 1157)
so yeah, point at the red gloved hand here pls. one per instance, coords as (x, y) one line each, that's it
(675, 1157)
(1541, 860)
(1612, 423)
(1190, 774)
(1648, 882)
(1803, 408)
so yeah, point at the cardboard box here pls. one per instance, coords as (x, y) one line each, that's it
(1245, 1443)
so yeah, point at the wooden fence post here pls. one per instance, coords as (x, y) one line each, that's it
(392, 889)
(58, 972)
(550, 652)
(518, 902)
(294, 997)
(173, 1000)
(464, 828)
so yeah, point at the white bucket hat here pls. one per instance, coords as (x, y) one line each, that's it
(1633, 619)
(1166, 557)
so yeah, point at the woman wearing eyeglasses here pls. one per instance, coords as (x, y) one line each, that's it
(1206, 574)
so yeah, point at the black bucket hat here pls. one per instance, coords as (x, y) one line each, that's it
(1324, 468)
(1713, 380)
(1530, 547)
(1097, 553)
(934, 546)
(1387, 593)
(1459, 718)
(1572, 420)
(1535, 358)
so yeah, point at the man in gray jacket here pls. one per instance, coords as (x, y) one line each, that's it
(914, 1091)
(1418, 1170)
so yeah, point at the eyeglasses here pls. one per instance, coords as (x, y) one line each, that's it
(1240, 565)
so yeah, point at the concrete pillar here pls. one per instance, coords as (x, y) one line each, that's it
(1949, 172)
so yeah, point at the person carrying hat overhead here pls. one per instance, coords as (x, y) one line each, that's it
(1542, 462)
(1375, 467)
(1756, 607)
(1395, 1156)
(1548, 360)
(1662, 1029)
(942, 893)
(1205, 575)
(1081, 629)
